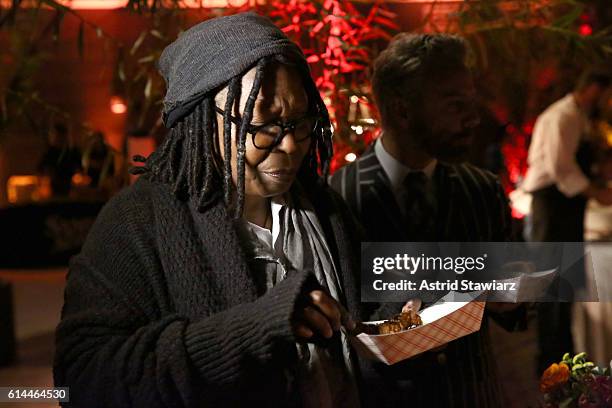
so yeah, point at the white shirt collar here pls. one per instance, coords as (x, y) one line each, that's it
(266, 236)
(395, 170)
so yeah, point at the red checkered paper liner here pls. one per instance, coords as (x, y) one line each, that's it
(448, 322)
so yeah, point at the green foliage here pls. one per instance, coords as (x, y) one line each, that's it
(527, 54)
(136, 76)
(28, 30)
(513, 42)
(586, 386)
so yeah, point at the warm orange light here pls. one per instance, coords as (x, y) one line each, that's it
(22, 189)
(606, 131)
(80, 179)
(117, 105)
(44, 187)
(350, 157)
(115, 4)
(93, 4)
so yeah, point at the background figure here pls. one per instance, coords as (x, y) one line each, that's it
(60, 161)
(98, 160)
(558, 177)
(410, 185)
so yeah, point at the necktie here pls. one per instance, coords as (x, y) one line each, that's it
(417, 205)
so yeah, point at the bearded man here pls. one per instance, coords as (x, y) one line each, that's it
(410, 185)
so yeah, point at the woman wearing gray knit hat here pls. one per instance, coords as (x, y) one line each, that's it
(223, 276)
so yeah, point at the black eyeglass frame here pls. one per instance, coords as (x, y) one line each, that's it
(286, 127)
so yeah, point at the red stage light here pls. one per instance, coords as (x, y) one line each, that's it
(585, 29)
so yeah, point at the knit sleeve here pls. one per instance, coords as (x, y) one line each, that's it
(110, 353)
(119, 343)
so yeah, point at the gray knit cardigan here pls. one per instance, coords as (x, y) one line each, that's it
(161, 310)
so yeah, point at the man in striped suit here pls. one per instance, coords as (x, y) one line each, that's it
(410, 185)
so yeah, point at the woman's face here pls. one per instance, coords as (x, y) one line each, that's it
(269, 172)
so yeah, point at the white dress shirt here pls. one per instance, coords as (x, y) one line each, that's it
(557, 134)
(268, 237)
(397, 171)
(321, 380)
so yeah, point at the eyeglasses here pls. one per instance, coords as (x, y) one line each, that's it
(269, 135)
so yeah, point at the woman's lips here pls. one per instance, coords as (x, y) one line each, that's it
(280, 174)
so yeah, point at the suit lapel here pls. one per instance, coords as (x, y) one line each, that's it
(378, 206)
(450, 225)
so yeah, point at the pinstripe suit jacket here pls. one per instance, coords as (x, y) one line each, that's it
(471, 203)
(471, 206)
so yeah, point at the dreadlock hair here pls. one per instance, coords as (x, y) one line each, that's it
(189, 159)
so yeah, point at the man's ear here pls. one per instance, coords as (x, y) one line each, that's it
(401, 113)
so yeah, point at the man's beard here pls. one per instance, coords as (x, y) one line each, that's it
(447, 147)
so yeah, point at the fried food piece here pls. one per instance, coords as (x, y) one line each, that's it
(390, 326)
(400, 322)
(409, 319)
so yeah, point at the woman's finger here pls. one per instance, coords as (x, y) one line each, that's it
(317, 322)
(328, 307)
(302, 331)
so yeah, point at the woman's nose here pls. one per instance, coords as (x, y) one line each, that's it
(288, 143)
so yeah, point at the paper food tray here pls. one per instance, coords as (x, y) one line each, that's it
(529, 287)
(442, 322)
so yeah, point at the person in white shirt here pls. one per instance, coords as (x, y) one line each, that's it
(557, 175)
(558, 180)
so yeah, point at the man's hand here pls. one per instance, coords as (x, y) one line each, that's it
(321, 316)
(412, 304)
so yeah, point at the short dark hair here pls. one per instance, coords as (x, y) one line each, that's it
(591, 76)
(403, 69)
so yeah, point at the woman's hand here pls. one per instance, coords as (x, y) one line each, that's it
(320, 316)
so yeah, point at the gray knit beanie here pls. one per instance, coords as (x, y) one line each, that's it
(210, 53)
